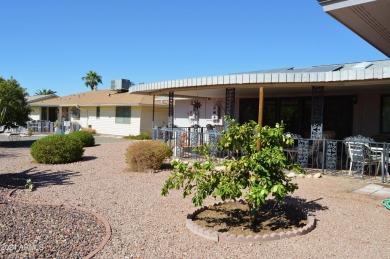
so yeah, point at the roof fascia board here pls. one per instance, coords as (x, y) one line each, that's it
(339, 4)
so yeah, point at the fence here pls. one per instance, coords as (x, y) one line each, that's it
(352, 156)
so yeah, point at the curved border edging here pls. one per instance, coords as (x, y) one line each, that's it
(231, 238)
(94, 213)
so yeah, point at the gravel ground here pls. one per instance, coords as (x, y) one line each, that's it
(147, 225)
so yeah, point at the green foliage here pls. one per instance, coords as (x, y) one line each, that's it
(259, 173)
(92, 79)
(57, 149)
(141, 136)
(30, 132)
(2, 114)
(145, 155)
(85, 137)
(45, 92)
(29, 185)
(14, 109)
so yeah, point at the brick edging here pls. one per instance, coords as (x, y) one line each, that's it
(68, 207)
(231, 238)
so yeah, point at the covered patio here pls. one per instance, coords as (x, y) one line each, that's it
(341, 100)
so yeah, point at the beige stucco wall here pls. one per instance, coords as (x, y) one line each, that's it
(183, 107)
(160, 117)
(35, 113)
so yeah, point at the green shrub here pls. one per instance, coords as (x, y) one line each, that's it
(142, 136)
(57, 149)
(145, 155)
(85, 137)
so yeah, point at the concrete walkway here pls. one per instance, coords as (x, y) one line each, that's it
(375, 190)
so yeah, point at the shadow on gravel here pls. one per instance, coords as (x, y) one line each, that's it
(7, 155)
(88, 158)
(39, 178)
(307, 207)
(16, 144)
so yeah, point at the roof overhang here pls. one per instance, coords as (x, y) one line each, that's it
(370, 19)
(247, 85)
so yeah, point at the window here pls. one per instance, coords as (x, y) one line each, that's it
(75, 113)
(44, 113)
(98, 112)
(385, 114)
(123, 115)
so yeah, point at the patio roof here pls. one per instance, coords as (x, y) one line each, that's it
(369, 19)
(368, 74)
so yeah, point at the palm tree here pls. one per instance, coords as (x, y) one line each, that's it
(45, 92)
(92, 79)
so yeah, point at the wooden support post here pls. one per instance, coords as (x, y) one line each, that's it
(260, 118)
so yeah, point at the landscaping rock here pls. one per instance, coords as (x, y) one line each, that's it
(291, 175)
(317, 175)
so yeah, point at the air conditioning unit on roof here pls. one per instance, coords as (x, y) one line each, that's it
(120, 85)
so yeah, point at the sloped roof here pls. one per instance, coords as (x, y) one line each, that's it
(99, 98)
(40, 97)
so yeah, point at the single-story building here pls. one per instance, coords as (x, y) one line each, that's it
(348, 99)
(107, 111)
(48, 113)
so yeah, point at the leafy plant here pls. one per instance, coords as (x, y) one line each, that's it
(92, 79)
(145, 155)
(45, 92)
(85, 137)
(57, 149)
(254, 176)
(142, 136)
(29, 185)
(30, 132)
(14, 109)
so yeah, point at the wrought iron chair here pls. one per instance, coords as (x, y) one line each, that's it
(360, 154)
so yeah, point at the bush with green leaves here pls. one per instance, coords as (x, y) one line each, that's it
(254, 176)
(85, 137)
(142, 136)
(57, 149)
(147, 155)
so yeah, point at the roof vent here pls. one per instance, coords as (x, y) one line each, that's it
(362, 65)
(120, 85)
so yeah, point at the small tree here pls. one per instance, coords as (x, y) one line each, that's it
(258, 172)
(14, 109)
(92, 79)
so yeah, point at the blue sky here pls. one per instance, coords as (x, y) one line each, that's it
(48, 44)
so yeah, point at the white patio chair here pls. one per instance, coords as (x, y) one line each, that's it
(360, 154)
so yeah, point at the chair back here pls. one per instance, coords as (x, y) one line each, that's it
(358, 148)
